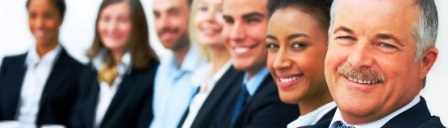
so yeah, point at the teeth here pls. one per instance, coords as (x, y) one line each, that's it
(362, 81)
(289, 79)
(241, 49)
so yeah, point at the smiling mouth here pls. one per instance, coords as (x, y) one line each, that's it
(359, 81)
(290, 79)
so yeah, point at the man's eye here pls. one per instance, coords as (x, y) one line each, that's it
(345, 38)
(252, 20)
(386, 45)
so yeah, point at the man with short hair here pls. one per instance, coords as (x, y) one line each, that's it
(256, 103)
(173, 83)
(379, 53)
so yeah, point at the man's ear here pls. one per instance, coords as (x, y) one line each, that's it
(428, 60)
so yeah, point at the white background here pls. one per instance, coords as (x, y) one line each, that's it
(77, 34)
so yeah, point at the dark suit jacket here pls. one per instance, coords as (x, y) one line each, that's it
(58, 95)
(131, 105)
(417, 116)
(230, 81)
(264, 109)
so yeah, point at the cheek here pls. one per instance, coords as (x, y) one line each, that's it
(270, 60)
(125, 29)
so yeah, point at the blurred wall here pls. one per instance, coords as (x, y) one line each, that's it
(77, 34)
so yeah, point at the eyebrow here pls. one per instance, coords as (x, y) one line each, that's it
(253, 14)
(296, 35)
(344, 29)
(271, 37)
(389, 36)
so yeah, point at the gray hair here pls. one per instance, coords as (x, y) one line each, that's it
(425, 31)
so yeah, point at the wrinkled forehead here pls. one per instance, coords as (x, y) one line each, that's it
(393, 16)
(240, 8)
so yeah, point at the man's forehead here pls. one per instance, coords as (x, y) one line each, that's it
(240, 8)
(168, 4)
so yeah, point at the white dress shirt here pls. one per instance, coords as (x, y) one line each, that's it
(37, 72)
(107, 92)
(312, 117)
(206, 82)
(375, 124)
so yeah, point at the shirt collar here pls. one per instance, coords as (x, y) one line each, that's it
(190, 63)
(33, 58)
(123, 68)
(253, 84)
(375, 124)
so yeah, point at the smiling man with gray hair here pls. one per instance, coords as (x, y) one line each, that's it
(379, 54)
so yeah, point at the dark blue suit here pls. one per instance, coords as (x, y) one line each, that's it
(264, 109)
(58, 97)
(417, 116)
(131, 106)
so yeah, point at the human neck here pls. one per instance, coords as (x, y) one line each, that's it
(218, 57)
(180, 55)
(314, 102)
(44, 48)
(117, 55)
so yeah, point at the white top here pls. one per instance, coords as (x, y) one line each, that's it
(206, 81)
(312, 117)
(107, 92)
(37, 73)
(375, 124)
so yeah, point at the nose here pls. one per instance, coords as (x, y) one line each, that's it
(361, 55)
(282, 61)
(161, 22)
(237, 32)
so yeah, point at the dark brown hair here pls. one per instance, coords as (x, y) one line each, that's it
(319, 9)
(59, 4)
(138, 44)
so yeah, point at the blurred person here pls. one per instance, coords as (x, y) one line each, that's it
(217, 77)
(297, 44)
(117, 85)
(39, 87)
(375, 69)
(256, 103)
(174, 87)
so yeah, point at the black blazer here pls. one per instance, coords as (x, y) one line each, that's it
(264, 109)
(130, 107)
(58, 96)
(417, 116)
(230, 81)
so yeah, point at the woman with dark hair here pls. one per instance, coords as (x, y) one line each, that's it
(117, 85)
(39, 87)
(297, 45)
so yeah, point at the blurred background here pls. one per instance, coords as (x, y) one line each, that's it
(77, 33)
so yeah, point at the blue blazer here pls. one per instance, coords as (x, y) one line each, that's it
(417, 116)
(58, 96)
(131, 106)
(264, 109)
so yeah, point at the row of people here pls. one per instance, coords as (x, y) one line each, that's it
(258, 64)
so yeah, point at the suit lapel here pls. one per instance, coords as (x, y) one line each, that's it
(56, 77)
(224, 86)
(121, 93)
(412, 117)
